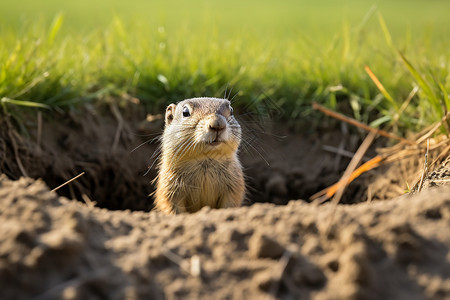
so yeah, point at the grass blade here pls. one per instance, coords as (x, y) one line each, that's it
(385, 29)
(54, 28)
(423, 84)
(23, 103)
(445, 94)
(381, 87)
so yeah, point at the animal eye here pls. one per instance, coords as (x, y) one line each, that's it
(186, 112)
(231, 110)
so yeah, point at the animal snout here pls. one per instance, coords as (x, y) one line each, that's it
(217, 123)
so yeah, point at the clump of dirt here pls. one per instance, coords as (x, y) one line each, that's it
(53, 248)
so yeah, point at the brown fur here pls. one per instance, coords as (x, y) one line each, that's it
(199, 164)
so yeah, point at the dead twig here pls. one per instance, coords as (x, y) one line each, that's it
(327, 193)
(67, 182)
(425, 168)
(342, 144)
(120, 125)
(344, 181)
(369, 193)
(342, 152)
(405, 105)
(427, 135)
(445, 153)
(359, 124)
(193, 268)
(88, 201)
(353, 164)
(442, 180)
(16, 151)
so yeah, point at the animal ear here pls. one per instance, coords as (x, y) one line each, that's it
(170, 113)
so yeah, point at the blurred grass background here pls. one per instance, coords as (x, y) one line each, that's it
(276, 55)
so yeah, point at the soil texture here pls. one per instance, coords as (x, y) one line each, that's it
(54, 248)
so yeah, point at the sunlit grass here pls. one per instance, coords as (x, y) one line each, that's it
(49, 63)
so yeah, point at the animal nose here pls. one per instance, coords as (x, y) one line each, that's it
(218, 123)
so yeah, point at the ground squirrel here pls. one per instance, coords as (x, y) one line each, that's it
(199, 165)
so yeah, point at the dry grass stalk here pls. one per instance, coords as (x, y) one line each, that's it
(120, 124)
(67, 182)
(14, 137)
(341, 152)
(88, 201)
(441, 158)
(193, 268)
(425, 168)
(345, 179)
(359, 124)
(331, 190)
(17, 156)
(404, 149)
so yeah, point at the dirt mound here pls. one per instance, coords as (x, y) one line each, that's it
(108, 246)
(53, 248)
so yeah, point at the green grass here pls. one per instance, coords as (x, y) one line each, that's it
(65, 55)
